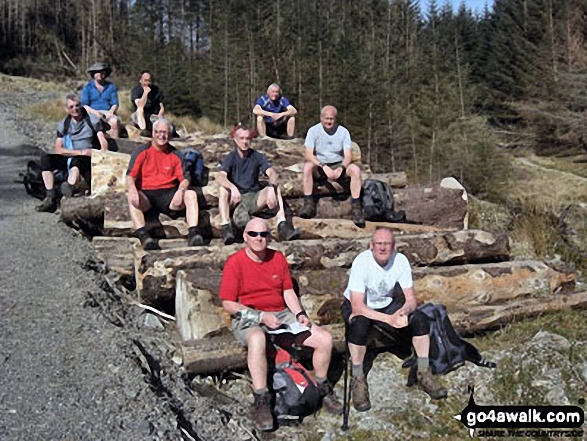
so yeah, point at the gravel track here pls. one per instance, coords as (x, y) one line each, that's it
(75, 362)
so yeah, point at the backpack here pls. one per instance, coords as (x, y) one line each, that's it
(378, 202)
(194, 165)
(448, 351)
(296, 391)
(32, 179)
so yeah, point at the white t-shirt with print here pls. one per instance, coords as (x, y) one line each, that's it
(377, 282)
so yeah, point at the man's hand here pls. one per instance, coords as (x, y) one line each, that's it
(269, 320)
(133, 196)
(177, 200)
(330, 174)
(85, 152)
(337, 173)
(235, 196)
(146, 90)
(398, 320)
(303, 320)
(108, 116)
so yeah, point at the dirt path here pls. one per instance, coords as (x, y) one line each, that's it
(66, 371)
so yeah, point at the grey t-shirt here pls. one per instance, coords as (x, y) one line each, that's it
(81, 134)
(328, 148)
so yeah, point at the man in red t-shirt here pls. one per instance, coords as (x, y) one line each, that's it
(257, 290)
(157, 183)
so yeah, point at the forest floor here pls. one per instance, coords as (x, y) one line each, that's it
(77, 363)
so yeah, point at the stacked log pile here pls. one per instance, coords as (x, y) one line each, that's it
(471, 272)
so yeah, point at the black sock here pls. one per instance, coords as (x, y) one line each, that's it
(51, 193)
(141, 231)
(355, 200)
(309, 198)
(192, 231)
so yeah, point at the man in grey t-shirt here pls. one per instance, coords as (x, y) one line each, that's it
(77, 135)
(328, 156)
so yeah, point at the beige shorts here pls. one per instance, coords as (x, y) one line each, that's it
(241, 325)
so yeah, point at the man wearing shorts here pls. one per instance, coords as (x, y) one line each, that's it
(157, 183)
(257, 291)
(371, 299)
(77, 135)
(239, 187)
(328, 156)
(275, 114)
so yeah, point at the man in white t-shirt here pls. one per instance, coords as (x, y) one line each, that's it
(328, 156)
(372, 298)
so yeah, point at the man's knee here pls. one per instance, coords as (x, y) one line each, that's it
(419, 324)
(191, 198)
(113, 122)
(322, 338)
(353, 171)
(223, 193)
(358, 330)
(260, 120)
(256, 340)
(308, 168)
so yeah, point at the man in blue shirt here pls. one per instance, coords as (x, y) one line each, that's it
(100, 97)
(275, 114)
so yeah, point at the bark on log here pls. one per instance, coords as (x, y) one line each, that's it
(440, 204)
(424, 249)
(207, 356)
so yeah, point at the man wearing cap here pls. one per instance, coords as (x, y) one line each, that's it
(77, 135)
(328, 157)
(275, 114)
(157, 182)
(100, 97)
(257, 291)
(239, 186)
(147, 103)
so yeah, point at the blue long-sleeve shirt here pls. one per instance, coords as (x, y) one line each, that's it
(92, 97)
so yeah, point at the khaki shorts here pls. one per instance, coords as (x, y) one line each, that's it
(242, 324)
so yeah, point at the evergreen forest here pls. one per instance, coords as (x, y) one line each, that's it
(433, 92)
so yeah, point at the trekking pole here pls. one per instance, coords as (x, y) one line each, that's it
(345, 401)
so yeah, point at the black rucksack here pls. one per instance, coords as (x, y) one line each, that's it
(448, 351)
(296, 391)
(378, 202)
(32, 179)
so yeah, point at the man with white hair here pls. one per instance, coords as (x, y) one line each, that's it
(275, 114)
(257, 291)
(157, 182)
(328, 157)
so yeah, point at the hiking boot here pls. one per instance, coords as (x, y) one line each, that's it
(48, 205)
(428, 384)
(147, 242)
(66, 189)
(83, 188)
(263, 417)
(195, 239)
(308, 211)
(329, 400)
(357, 215)
(360, 393)
(286, 231)
(227, 234)
(241, 217)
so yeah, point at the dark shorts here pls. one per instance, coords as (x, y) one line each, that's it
(360, 326)
(278, 130)
(321, 178)
(161, 199)
(52, 161)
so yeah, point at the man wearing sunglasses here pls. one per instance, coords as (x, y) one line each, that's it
(239, 187)
(257, 291)
(157, 181)
(77, 135)
(372, 297)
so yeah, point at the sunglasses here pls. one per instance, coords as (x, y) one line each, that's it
(258, 233)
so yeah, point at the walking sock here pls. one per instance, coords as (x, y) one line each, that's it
(423, 364)
(261, 391)
(357, 370)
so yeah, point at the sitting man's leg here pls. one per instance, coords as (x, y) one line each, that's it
(191, 216)
(308, 211)
(321, 342)
(50, 162)
(261, 126)
(137, 215)
(253, 337)
(270, 198)
(224, 208)
(79, 166)
(138, 118)
(354, 173)
(291, 126)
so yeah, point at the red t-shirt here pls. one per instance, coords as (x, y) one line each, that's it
(258, 285)
(154, 169)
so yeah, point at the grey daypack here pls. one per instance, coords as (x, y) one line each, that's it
(378, 203)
